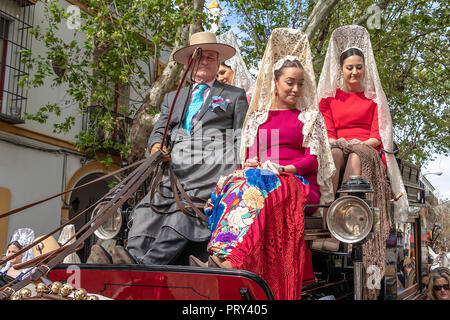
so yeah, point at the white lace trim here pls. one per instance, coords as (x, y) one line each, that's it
(242, 77)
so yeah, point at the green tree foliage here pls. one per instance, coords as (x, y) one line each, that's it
(257, 19)
(411, 46)
(115, 48)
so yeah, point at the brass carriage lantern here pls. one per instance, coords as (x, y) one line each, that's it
(350, 219)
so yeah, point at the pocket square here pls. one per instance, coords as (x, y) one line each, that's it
(218, 102)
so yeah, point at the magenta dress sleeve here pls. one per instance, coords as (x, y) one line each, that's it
(307, 164)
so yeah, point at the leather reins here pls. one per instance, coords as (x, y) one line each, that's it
(153, 167)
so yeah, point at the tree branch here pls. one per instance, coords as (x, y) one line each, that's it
(143, 120)
(320, 11)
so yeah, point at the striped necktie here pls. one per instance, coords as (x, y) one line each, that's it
(194, 107)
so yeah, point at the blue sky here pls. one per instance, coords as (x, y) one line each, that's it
(442, 182)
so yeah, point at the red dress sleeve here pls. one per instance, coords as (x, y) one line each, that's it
(374, 130)
(324, 107)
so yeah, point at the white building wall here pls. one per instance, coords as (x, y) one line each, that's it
(33, 170)
(32, 175)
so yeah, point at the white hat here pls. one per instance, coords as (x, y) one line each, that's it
(205, 41)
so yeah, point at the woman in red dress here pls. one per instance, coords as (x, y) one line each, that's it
(359, 127)
(355, 107)
(350, 115)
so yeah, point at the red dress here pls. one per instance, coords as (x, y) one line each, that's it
(350, 115)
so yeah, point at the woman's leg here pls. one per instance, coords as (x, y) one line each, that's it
(339, 162)
(353, 167)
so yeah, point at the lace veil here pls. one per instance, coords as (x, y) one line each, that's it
(25, 237)
(289, 44)
(354, 36)
(67, 233)
(242, 77)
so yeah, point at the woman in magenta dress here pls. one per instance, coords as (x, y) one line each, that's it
(256, 213)
(283, 144)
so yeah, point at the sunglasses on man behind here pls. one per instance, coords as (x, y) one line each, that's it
(438, 288)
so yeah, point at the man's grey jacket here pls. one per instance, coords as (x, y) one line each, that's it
(198, 159)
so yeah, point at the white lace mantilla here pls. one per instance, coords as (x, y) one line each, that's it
(242, 77)
(25, 237)
(289, 44)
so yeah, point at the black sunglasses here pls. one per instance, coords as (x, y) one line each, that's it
(438, 288)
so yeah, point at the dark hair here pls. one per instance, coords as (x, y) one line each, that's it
(287, 64)
(348, 53)
(16, 244)
(225, 65)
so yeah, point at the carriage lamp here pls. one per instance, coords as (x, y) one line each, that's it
(350, 218)
(357, 186)
(111, 227)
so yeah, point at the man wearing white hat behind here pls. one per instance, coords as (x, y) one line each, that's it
(204, 144)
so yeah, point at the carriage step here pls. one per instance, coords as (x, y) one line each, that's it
(312, 234)
(313, 223)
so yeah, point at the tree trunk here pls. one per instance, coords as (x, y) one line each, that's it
(144, 121)
(320, 11)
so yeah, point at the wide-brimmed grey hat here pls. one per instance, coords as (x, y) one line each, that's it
(205, 41)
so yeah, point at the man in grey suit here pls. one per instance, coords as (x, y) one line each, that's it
(203, 145)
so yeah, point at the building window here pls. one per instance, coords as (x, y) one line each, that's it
(4, 27)
(16, 21)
